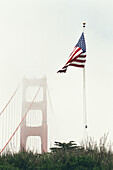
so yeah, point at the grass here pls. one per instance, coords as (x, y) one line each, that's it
(90, 155)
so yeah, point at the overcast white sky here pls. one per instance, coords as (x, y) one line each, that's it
(36, 38)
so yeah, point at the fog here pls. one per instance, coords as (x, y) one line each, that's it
(36, 38)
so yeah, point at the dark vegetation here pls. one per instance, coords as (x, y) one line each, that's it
(64, 156)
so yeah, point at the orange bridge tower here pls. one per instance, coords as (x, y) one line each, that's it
(41, 130)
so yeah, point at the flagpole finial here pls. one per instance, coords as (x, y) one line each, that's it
(84, 24)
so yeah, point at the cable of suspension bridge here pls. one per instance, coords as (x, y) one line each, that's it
(11, 97)
(21, 120)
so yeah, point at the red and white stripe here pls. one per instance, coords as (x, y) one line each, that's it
(77, 59)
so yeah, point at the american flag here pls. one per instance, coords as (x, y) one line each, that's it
(78, 56)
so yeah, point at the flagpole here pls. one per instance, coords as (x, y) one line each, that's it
(84, 93)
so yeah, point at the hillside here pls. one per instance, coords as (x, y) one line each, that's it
(64, 156)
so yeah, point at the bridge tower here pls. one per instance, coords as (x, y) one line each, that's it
(40, 131)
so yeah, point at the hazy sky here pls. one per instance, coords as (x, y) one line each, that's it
(36, 38)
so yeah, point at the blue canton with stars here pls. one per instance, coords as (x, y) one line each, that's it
(81, 43)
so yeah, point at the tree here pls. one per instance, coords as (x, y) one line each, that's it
(64, 146)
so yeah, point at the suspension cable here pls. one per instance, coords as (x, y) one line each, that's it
(11, 98)
(21, 121)
(49, 99)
